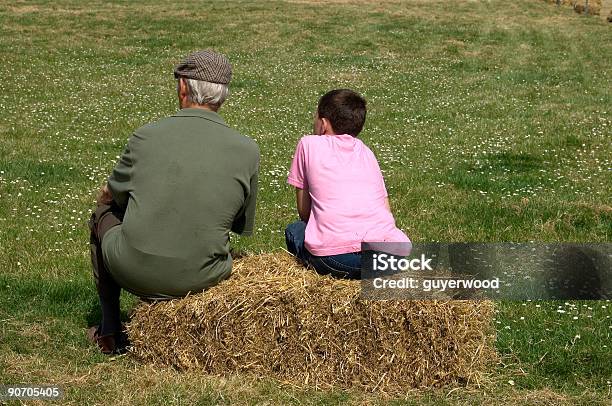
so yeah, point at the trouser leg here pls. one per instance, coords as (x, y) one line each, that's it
(103, 219)
(341, 266)
(294, 238)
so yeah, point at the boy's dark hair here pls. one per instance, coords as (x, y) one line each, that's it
(345, 110)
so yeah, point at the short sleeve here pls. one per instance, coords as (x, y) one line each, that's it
(297, 172)
(120, 181)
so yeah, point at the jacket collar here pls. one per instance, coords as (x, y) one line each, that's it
(201, 113)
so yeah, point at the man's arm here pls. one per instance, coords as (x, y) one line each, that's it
(245, 221)
(303, 202)
(120, 182)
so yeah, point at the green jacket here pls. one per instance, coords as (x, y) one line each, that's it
(185, 182)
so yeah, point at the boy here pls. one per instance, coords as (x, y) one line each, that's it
(340, 191)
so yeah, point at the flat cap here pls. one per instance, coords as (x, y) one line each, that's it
(205, 65)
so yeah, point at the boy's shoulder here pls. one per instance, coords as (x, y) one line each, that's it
(318, 141)
(308, 139)
(309, 142)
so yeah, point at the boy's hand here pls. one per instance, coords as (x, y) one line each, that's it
(104, 195)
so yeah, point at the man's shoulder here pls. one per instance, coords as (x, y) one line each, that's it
(246, 145)
(172, 122)
(244, 140)
(175, 120)
(153, 126)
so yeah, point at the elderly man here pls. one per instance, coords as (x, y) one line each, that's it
(161, 228)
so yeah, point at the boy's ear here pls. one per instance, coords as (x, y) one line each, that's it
(326, 126)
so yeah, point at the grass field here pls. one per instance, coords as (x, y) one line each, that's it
(491, 121)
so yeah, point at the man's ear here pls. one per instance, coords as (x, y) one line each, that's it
(182, 91)
(183, 96)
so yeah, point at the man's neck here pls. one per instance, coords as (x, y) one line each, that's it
(206, 107)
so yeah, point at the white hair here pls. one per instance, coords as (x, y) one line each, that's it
(201, 92)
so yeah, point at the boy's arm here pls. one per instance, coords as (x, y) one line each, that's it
(302, 198)
(387, 205)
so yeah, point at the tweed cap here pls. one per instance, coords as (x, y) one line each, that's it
(205, 65)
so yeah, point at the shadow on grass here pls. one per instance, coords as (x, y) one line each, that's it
(501, 172)
(39, 173)
(75, 300)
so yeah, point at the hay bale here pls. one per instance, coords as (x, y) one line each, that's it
(273, 318)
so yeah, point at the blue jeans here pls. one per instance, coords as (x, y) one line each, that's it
(342, 266)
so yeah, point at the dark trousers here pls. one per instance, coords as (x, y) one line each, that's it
(103, 219)
(342, 266)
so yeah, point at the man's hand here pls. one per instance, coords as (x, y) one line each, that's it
(104, 195)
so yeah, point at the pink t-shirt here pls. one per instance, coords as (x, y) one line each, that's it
(347, 193)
